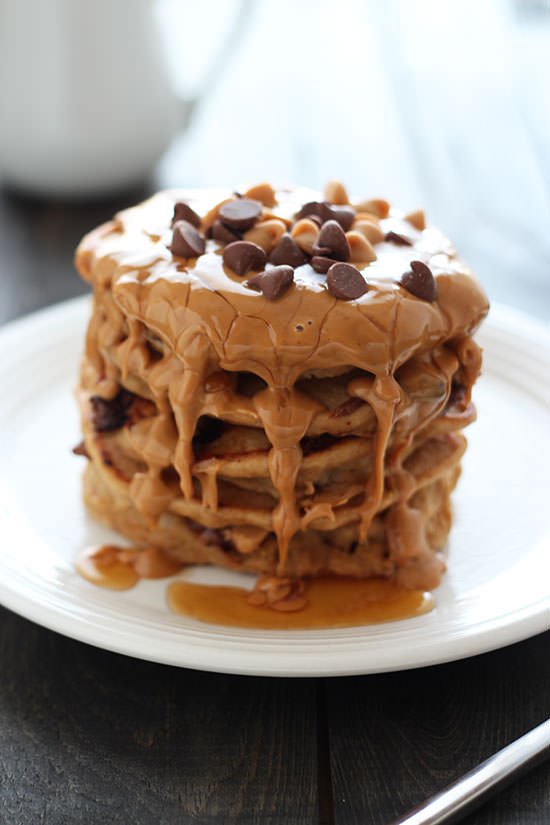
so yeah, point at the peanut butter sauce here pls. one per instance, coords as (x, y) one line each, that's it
(208, 321)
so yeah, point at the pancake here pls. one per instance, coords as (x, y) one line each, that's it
(277, 382)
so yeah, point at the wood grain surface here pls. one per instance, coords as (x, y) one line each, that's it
(455, 118)
(92, 737)
(397, 739)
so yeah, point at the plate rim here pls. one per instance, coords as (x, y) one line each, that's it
(490, 634)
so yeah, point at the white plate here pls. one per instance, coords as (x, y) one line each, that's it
(496, 591)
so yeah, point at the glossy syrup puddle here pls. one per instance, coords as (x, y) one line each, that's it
(120, 568)
(330, 602)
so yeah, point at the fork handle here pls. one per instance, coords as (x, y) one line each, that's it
(457, 799)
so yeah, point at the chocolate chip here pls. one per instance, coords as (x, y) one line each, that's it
(322, 211)
(274, 282)
(344, 281)
(317, 219)
(332, 242)
(420, 281)
(288, 252)
(313, 208)
(139, 408)
(80, 449)
(240, 214)
(347, 407)
(345, 215)
(242, 256)
(315, 443)
(211, 535)
(183, 212)
(111, 413)
(186, 241)
(321, 264)
(208, 429)
(458, 396)
(400, 240)
(222, 234)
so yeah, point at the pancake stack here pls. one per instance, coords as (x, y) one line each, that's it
(277, 381)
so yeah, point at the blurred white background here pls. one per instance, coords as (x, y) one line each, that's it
(440, 103)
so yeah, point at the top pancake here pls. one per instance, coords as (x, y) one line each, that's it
(199, 303)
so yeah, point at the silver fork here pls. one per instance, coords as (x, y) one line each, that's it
(458, 799)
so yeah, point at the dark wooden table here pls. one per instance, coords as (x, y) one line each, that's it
(91, 737)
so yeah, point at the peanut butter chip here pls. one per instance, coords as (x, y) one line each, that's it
(240, 214)
(186, 241)
(400, 240)
(222, 234)
(335, 192)
(183, 212)
(370, 230)
(266, 233)
(344, 281)
(332, 243)
(376, 206)
(304, 233)
(420, 281)
(242, 256)
(274, 282)
(288, 252)
(361, 250)
(417, 219)
(262, 192)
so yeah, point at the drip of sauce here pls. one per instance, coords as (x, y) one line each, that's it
(186, 394)
(208, 479)
(286, 416)
(120, 568)
(327, 602)
(209, 321)
(150, 495)
(101, 566)
(383, 396)
(331, 602)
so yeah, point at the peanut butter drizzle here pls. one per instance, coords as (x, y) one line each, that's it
(382, 394)
(208, 479)
(208, 321)
(286, 415)
(148, 491)
(417, 565)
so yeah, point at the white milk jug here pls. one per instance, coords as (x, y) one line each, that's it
(86, 104)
